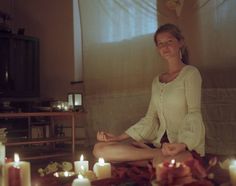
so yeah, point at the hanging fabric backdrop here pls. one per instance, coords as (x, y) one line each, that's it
(119, 59)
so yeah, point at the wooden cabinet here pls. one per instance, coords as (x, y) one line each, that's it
(19, 66)
(45, 146)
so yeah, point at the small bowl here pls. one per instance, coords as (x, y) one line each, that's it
(64, 176)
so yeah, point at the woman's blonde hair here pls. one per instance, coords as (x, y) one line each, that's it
(175, 31)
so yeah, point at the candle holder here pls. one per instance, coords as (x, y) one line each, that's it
(75, 101)
(232, 172)
(64, 176)
(173, 173)
(60, 106)
(180, 173)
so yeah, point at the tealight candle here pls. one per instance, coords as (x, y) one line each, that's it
(102, 169)
(172, 169)
(66, 173)
(81, 181)
(172, 163)
(232, 173)
(81, 166)
(17, 173)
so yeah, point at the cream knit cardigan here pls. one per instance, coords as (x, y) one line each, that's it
(175, 107)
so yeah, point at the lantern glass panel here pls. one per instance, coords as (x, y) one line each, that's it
(77, 99)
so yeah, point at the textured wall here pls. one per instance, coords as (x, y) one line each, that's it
(52, 22)
(209, 27)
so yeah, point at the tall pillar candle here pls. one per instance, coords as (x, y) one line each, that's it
(2, 153)
(2, 161)
(81, 166)
(102, 169)
(17, 173)
(232, 173)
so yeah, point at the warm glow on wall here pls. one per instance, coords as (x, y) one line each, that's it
(175, 5)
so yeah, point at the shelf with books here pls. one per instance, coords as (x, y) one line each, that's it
(48, 139)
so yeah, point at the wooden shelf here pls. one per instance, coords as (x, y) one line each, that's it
(39, 152)
(40, 123)
(50, 142)
(34, 114)
(36, 141)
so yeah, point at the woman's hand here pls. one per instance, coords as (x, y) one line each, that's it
(108, 137)
(105, 136)
(171, 149)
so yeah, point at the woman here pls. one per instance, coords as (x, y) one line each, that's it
(173, 123)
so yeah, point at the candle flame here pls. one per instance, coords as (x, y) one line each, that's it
(66, 173)
(82, 157)
(16, 158)
(56, 174)
(172, 161)
(80, 176)
(101, 161)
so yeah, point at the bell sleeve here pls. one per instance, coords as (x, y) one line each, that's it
(146, 128)
(192, 132)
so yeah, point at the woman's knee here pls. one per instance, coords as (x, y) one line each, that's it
(98, 149)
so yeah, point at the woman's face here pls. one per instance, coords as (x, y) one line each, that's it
(168, 46)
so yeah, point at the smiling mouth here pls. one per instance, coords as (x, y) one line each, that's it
(166, 52)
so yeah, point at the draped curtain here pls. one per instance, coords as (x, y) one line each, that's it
(119, 60)
(118, 48)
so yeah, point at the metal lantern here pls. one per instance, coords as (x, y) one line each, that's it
(75, 101)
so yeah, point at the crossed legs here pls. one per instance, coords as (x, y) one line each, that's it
(124, 152)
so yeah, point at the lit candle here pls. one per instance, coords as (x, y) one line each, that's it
(17, 173)
(66, 108)
(81, 181)
(81, 166)
(232, 173)
(66, 173)
(167, 170)
(102, 169)
(59, 107)
(172, 163)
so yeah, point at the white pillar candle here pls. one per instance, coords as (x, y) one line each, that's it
(232, 173)
(2, 162)
(81, 181)
(2, 153)
(81, 166)
(18, 167)
(102, 169)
